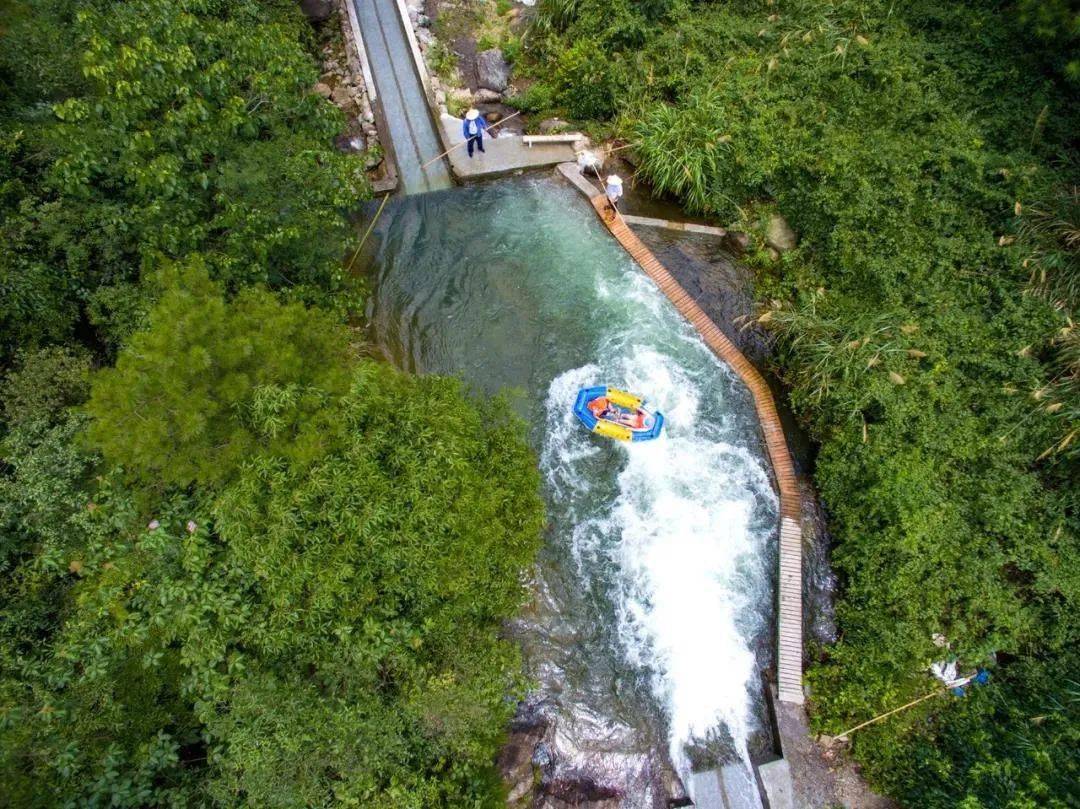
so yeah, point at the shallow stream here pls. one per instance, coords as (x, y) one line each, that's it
(653, 602)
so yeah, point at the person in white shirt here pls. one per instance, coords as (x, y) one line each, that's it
(614, 192)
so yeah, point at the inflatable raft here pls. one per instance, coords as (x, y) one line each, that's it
(617, 414)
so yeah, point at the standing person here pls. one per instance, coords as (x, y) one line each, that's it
(614, 192)
(473, 127)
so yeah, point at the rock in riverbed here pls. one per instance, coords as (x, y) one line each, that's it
(492, 70)
(483, 96)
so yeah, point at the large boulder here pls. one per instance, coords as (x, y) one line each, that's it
(483, 96)
(779, 235)
(492, 70)
(317, 10)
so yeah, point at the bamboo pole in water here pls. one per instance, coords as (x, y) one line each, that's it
(368, 231)
(500, 122)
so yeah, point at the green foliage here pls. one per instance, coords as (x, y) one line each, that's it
(180, 404)
(1056, 22)
(186, 127)
(902, 142)
(322, 626)
(283, 580)
(1011, 745)
(1051, 233)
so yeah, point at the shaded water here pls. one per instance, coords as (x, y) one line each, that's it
(653, 594)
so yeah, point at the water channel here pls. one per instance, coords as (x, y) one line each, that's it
(652, 602)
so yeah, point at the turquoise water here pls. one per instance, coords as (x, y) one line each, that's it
(653, 595)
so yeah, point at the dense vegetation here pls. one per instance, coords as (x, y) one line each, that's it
(239, 563)
(925, 153)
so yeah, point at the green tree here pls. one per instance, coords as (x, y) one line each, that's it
(317, 621)
(188, 127)
(178, 406)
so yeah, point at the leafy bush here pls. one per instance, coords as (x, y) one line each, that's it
(191, 128)
(322, 625)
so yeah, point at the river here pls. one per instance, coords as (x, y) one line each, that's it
(653, 596)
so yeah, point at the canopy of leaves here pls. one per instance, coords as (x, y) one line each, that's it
(178, 407)
(904, 143)
(179, 126)
(322, 626)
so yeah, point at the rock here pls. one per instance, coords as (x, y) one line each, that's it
(736, 242)
(340, 96)
(581, 789)
(491, 117)
(317, 10)
(440, 98)
(774, 254)
(779, 234)
(424, 37)
(350, 144)
(462, 97)
(549, 125)
(483, 96)
(423, 20)
(374, 158)
(322, 89)
(492, 70)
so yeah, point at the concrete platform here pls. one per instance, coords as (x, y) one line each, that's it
(776, 778)
(730, 787)
(502, 155)
(590, 188)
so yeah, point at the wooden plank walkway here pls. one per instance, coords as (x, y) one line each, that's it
(789, 655)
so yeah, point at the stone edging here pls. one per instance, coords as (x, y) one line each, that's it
(350, 26)
(421, 71)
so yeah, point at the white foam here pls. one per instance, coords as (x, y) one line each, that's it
(690, 579)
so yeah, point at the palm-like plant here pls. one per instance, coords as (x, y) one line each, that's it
(1052, 233)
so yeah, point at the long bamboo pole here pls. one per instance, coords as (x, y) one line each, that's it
(500, 122)
(368, 231)
(887, 714)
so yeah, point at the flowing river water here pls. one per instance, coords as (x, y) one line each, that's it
(653, 597)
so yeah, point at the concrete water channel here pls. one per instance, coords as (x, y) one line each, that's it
(653, 613)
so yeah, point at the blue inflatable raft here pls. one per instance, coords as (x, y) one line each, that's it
(617, 414)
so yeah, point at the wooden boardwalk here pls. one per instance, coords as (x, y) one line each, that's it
(789, 610)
